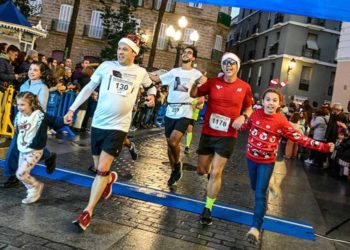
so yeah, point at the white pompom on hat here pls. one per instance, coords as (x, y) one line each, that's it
(131, 44)
(233, 56)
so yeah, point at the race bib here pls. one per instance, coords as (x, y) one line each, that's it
(219, 122)
(175, 109)
(119, 86)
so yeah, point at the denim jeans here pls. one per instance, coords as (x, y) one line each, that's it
(11, 161)
(259, 174)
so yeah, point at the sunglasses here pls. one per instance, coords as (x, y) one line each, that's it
(229, 61)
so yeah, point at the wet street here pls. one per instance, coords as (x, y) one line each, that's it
(304, 195)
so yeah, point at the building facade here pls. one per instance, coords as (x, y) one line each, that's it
(267, 42)
(211, 22)
(341, 92)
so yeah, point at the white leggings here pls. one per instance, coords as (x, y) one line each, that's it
(26, 162)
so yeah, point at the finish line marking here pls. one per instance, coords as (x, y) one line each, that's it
(221, 211)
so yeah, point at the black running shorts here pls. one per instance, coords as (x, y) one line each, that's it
(110, 141)
(223, 146)
(180, 125)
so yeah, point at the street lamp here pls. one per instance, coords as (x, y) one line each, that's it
(176, 36)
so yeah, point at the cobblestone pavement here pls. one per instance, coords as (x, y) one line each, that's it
(125, 223)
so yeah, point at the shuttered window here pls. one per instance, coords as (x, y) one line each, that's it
(218, 43)
(187, 34)
(161, 44)
(64, 17)
(96, 24)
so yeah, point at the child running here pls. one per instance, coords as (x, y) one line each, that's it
(267, 126)
(31, 131)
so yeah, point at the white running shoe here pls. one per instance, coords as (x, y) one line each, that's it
(33, 194)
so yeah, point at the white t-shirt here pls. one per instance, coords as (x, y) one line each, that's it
(180, 82)
(119, 86)
(28, 127)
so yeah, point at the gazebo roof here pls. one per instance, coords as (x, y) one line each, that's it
(11, 17)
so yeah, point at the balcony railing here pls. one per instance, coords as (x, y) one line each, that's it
(96, 32)
(316, 21)
(278, 18)
(59, 25)
(273, 49)
(304, 84)
(224, 19)
(315, 54)
(255, 29)
(216, 55)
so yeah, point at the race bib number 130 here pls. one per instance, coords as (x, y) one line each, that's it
(219, 122)
(119, 86)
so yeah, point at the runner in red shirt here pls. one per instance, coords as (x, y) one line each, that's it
(267, 126)
(227, 97)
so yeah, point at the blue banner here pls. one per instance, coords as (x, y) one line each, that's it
(326, 9)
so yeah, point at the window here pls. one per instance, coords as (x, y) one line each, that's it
(272, 72)
(195, 5)
(268, 20)
(162, 43)
(331, 84)
(249, 75)
(64, 17)
(265, 45)
(58, 55)
(140, 3)
(225, 9)
(305, 78)
(258, 80)
(137, 24)
(96, 27)
(311, 42)
(169, 7)
(218, 43)
(187, 34)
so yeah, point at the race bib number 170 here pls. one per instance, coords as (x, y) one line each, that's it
(219, 122)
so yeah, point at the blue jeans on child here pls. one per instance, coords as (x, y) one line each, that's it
(259, 174)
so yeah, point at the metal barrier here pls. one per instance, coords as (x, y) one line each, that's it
(6, 126)
(58, 105)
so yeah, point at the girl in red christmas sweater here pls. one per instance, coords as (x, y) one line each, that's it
(267, 126)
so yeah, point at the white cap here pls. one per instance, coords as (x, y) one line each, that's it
(231, 56)
(131, 44)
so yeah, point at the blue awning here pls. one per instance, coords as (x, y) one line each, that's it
(9, 13)
(327, 9)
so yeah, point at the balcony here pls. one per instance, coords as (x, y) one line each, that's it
(216, 55)
(273, 50)
(310, 53)
(255, 29)
(316, 21)
(59, 25)
(96, 32)
(278, 18)
(224, 19)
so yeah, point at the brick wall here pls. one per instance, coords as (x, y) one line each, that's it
(203, 20)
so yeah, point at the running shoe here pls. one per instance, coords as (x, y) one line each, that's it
(253, 236)
(33, 194)
(187, 150)
(83, 221)
(206, 219)
(133, 152)
(50, 163)
(178, 172)
(108, 189)
(172, 180)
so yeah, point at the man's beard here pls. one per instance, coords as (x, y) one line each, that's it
(186, 60)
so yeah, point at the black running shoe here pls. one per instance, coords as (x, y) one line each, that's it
(51, 163)
(172, 180)
(206, 219)
(178, 172)
(133, 152)
(187, 150)
(92, 169)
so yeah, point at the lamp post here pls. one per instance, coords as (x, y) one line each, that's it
(176, 36)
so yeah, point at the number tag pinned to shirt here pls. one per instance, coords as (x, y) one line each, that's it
(119, 86)
(219, 122)
(175, 109)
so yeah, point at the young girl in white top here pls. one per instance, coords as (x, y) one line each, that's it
(27, 124)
